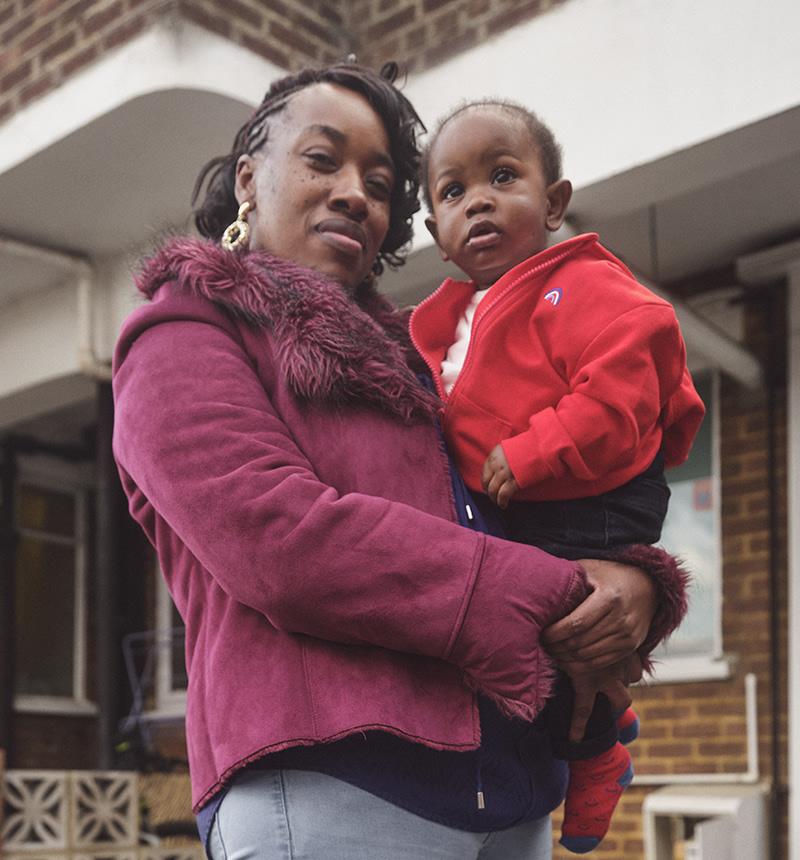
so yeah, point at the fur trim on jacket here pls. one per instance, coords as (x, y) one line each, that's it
(672, 581)
(333, 349)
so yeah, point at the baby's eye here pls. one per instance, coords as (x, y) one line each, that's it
(451, 191)
(503, 175)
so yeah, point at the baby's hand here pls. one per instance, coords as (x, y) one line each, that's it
(497, 479)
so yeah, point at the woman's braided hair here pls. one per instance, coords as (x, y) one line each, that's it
(218, 206)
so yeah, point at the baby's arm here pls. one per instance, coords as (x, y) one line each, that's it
(497, 479)
(625, 383)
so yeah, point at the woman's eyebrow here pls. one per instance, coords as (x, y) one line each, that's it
(334, 134)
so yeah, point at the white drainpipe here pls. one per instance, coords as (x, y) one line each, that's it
(88, 362)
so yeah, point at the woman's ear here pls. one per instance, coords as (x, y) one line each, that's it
(430, 223)
(245, 186)
(558, 196)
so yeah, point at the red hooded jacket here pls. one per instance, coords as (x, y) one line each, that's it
(576, 368)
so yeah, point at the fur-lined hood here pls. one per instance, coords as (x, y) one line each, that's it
(334, 349)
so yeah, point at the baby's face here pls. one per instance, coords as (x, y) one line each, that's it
(489, 194)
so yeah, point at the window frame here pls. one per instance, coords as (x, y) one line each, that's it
(47, 473)
(170, 701)
(713, 664)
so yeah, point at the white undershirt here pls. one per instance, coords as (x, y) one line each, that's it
(454, 359)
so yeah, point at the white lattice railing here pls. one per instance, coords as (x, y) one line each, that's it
(77, 815)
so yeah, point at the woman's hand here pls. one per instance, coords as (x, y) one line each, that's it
(610, 624)
(613, 681)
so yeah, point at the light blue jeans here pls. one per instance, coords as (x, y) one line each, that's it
(301, 815)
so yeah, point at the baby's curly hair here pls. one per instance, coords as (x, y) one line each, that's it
(216, 182)
(543, 139)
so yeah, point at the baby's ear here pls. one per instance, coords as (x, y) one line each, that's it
(558, 196)
(430, 223)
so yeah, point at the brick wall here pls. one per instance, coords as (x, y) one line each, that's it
(421, 33)
(289, 34)
(44, 42)
(701, 727)
(54, 742)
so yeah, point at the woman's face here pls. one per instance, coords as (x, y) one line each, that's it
(321, 185)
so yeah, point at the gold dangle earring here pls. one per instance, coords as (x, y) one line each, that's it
(236, 234)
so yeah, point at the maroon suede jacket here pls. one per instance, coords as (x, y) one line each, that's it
(284, 463)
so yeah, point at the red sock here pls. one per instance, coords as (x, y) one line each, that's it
(628, 725)
(595, 786)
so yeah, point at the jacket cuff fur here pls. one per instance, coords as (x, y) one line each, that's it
(671, 579)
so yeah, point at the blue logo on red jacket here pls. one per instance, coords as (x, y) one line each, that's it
(554, 296)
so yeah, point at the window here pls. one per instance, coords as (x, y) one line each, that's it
(171, 679)
(692, 531)
(50, 514)
(154, 660)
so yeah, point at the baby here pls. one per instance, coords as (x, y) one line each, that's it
(565, 382)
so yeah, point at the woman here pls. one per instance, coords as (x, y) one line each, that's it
(284, 461)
